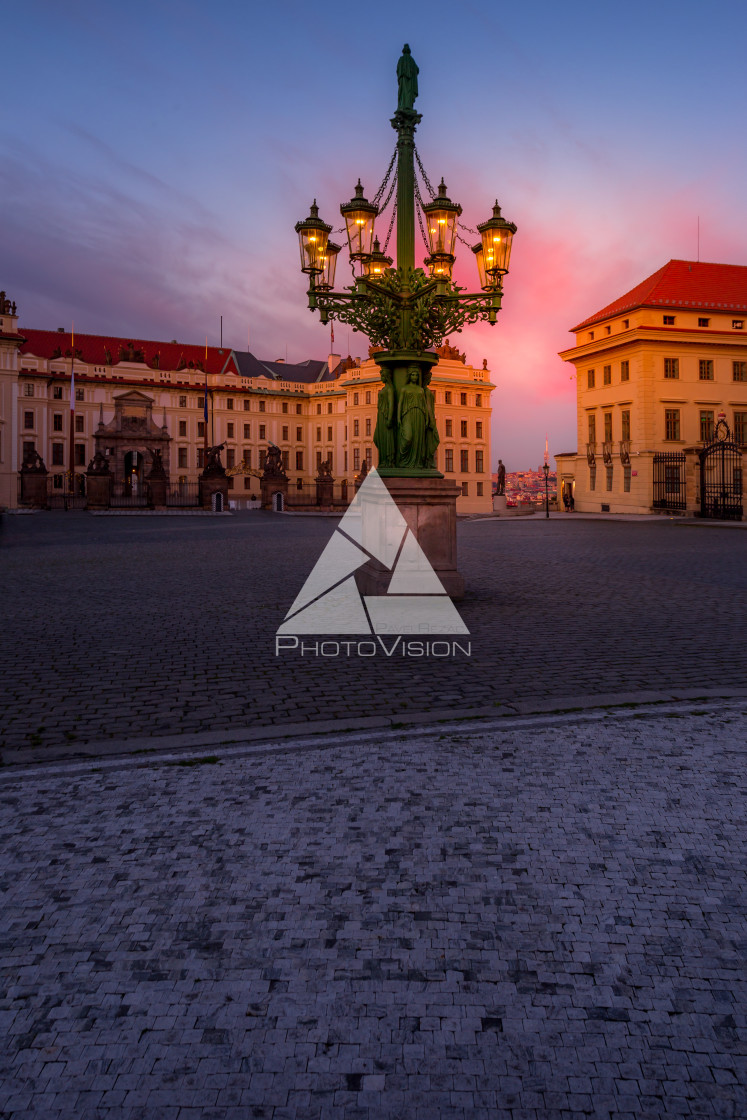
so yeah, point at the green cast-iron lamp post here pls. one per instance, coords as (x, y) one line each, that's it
(405, 312)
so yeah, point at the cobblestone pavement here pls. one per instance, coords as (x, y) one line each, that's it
(524, 922)
(120, 627)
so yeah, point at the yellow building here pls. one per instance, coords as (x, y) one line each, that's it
(131, 394)
(655, 372)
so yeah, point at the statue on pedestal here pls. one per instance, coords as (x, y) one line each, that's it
(384, 437)
(501, 487)
(407, 79)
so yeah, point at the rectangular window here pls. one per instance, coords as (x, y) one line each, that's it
(625, 423)
(58, 480)
(319, 434)
(299, 460)
(356, 428)
(626, 478)
(79, 395)
(706, 425)
(625, 324)
(80, 454)
(463, 428)
(671, 423)
(229, 431)
(200, 402)
(230, 457)
(592, 421)
(182, 427)
(80, 423)
(447, 397)
(230, 482)
(28, 419)
(479, 462)
(28, 389)
(737, 324)
(247, 431)
(607, 375)
(262, 406)
(329, 406)
(263, 431)
(299, 409)
(478, 402)
(57, 392)
(200, 458)
(57, 422)
(29, 447)
(449, 460)
(608, 427)
(286, 459)
(58, 450)
(247, 456)
(299, 434)
(368, 431)
(590, 379)
(740, 428)
(609, 477)
(739, 371)
(356, 458)
(285, 407)
(465, 489)
(669, 320)
(592, 478)
(705, 369)
(672, 368)
(201, 429)
(247, 483)
(703, 322)
(478, 429)
(449, 427)
(462, 398)
(479, 489)
(262, 460)
(285, 431)
(229, 402)
(625, 371)
(182, 454)
(355, 398)
(368, 396)
(319, 409)
(464, 461)
(247, 405)
(182, 402)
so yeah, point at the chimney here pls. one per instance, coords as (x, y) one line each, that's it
(333, 361)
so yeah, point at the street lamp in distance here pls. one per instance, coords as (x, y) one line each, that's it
(546, 469)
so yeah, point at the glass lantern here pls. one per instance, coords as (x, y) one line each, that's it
(376, 263)
(497, 235)
(439, 265)
(326, 278)
(441, 222)
(313, 235)
(359, 215)
(488, 281)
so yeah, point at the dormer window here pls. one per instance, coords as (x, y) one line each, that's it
(737, 324)
(704, 322)
(669, 320)
(591, 336)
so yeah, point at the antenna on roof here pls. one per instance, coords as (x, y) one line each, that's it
(698, 238)
(221, 332)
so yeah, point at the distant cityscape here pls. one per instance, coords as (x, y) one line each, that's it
(525, 487)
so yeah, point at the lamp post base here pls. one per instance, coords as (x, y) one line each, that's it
(428, 505)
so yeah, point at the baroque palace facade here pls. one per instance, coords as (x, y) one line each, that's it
(133, 395)
(656, 370)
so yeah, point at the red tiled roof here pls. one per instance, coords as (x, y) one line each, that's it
(683, 284)
(91, 348)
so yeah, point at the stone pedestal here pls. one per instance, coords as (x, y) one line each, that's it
(158, 487)
(271, 486)
(213, 484)
(98, 490)
(499, 503)
(324, 492)
(428, 505)
(34, 488)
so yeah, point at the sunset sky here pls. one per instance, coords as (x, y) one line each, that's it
(157, 155)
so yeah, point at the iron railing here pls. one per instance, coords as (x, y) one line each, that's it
(670, 490)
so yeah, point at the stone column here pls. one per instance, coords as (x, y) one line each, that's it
(34, 483)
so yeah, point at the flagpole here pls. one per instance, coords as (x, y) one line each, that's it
(205, 412)
(72, 411)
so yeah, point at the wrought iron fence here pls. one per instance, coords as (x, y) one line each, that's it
(721, 477)
(183, 494)
(126, 495)
(59, 495)
(669, 480)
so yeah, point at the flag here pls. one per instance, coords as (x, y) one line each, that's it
(332, 331)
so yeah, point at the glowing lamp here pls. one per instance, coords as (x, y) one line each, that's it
(497, 235)
(441, 222)
(439, 265)
(313, 235)
(376, 263)
(359, 215)
(488, 281)
(326, 278)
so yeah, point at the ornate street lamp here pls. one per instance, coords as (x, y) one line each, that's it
(546, 469)
(405, 312)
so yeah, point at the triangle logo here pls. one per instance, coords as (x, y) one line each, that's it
(373, 528)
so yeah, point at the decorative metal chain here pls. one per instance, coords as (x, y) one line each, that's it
(376, 198)
(391, 224)
(389, 196)
(426, 180)
(419, 212)
(463, 240)
(467, 229)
